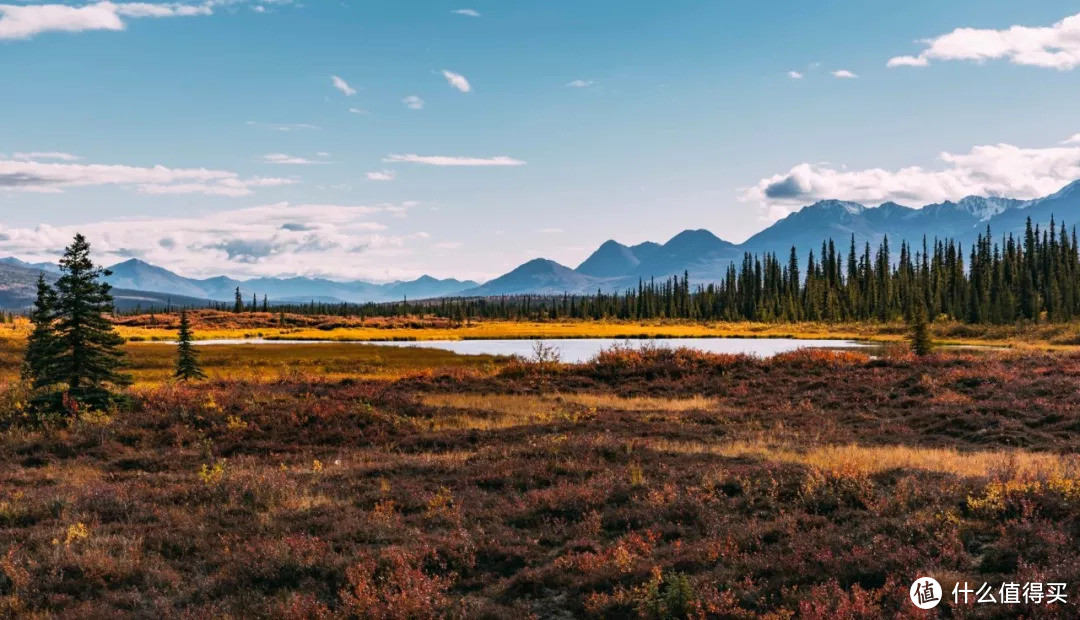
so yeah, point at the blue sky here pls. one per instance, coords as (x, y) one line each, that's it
(569, 123)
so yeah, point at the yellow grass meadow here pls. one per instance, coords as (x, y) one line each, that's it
(1035, 336)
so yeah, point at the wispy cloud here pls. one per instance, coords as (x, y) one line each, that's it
(281, 239)
(1073, 140)
(580, 84)
(381, 175)
(25, 22)
(284, 126)
(442, 160)
(38, 176)
(1056, 46)
(413, 102)
(795, 75)
(551, 231)
(844, 74)
(358, 111)
(990, 170)
(39, 155)
(282, 158)
(457, 80)
(342, 85)
(467, 12)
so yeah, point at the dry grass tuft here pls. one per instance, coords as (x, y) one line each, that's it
(497, 411)
(1003, 465)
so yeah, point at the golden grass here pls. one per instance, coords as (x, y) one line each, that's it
(499, 411)
(641, 403)
(154, 363)
(515, 403)
(1005, 465)
(1041, 336)
(523, 330)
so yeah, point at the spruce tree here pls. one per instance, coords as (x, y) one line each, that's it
(41, 347)
(238, 304)
(187, 358)
(920, 331)
(88, 354)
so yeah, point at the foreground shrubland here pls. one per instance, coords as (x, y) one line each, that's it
(656, 484)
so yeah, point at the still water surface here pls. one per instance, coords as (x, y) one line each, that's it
(582, 349)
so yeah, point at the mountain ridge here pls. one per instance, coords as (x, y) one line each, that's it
(614, 265)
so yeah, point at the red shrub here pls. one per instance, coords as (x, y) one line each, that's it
(395, 585)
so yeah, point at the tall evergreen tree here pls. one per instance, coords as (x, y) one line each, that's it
(187, 357)
(41, 347)
(238, 304)
(88, 354)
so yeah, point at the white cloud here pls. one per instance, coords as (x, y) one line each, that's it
(580, 84)
(338, 241)
(844, 74)
(282, 158)
(907, 61)
(1056, 46)
(342, 85)
(284, 126)
(37, 176)
(991, 170)
(24, 22)
(442, 160)
(457, 80)
(448, 245)
(550, 231)
(45, 155)
(1073, 140)
(413, 102)
(381, 175)
(357, 111)
(795, 75)
(467, 12)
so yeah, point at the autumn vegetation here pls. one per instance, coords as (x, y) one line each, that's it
(656, 484)
(345, 480)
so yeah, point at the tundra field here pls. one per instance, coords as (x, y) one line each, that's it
(332, 480)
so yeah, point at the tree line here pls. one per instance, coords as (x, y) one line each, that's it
(1032, 277)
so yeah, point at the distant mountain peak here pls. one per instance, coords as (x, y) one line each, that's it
(15, 262)
(696, 235)
(986, 207)
(540, 265)
(610, 259)
(852, 208)
(1068, 190)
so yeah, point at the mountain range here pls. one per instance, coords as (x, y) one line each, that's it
(18, 285)
(613, 266)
